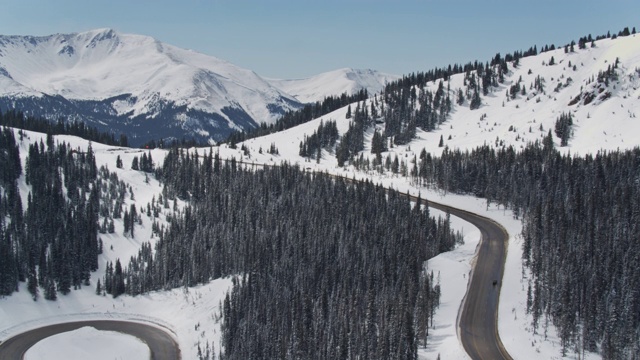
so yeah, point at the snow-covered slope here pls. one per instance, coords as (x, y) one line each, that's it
(608, 122)
(138, 77)
(336, 82)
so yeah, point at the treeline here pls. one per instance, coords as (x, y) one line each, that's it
(51, 243)
(297, 117)
(324, 137)
(352, 141)
(407, 109)
(398, 114)
(581, 229)
(407, 104)
(17, 119)
(322, 269)
(421, 78)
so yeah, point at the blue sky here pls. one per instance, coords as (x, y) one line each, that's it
(300, 38)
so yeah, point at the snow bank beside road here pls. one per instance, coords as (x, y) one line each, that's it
(89, 343)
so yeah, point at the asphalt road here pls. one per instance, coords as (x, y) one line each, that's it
(161, 345)
(477, 321)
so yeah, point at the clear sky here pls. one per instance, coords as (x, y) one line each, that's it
(301, 38)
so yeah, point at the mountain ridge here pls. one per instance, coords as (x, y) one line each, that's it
(136, 84)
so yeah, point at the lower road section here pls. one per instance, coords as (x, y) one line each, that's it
(479, 314)
(161, 345)
(477, 320)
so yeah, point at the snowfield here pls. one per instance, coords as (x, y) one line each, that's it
(192, 314)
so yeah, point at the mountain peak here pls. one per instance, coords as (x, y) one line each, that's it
(104, 34)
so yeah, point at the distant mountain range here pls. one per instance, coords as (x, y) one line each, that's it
(139, 86)
(334, 82)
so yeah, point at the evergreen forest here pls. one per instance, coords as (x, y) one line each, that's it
(581, 219)
(322, 268)
(51, 241)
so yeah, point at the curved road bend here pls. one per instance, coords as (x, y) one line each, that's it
(478, 319)
(162, 346)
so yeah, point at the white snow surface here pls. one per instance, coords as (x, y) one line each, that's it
(347, 80)
(89, 343)
(191, 314)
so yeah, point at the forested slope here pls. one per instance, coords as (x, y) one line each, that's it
(347, 260)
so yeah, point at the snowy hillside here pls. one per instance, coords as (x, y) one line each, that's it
(608, 122)
(102, 64)
(336, 82)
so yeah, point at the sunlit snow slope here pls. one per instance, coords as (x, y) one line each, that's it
(608, 121)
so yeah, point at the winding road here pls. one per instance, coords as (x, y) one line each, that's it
(162, 345)
(478, 317)
(477, 321)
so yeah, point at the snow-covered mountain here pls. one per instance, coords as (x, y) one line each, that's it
(336, 82)
(147, 89)
(134, 84)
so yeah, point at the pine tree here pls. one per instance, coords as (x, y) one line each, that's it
(98, 288)
(118, 280)
(32, 284)
(475, 101)
(563, 128)
(50, 292)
